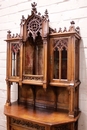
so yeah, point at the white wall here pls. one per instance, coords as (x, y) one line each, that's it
(61, 12)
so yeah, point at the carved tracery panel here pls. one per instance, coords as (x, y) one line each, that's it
(60, 44)
(62, 127)
(27, 124)
(34, 25)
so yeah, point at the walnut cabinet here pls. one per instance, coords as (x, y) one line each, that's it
(44, 63)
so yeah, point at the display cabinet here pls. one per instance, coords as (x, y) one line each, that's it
(44, 63)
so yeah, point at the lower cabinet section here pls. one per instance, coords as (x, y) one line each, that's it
(22, 118)
(18, 124)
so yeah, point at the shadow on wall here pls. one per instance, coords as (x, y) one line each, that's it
(82, 124)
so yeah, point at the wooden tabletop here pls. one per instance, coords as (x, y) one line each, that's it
(38, 116)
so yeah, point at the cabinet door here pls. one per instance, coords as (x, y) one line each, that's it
(13, 59)
(58, 59)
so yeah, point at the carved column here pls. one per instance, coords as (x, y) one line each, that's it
(71, 100)
(8, 102)
(45, 63)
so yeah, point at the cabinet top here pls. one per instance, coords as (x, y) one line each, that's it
(38, 116)
(34, 23)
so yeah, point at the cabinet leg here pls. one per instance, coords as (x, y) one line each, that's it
(8, 102)
(8, 123)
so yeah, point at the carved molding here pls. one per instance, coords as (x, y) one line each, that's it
(27, 124)
(32, 78)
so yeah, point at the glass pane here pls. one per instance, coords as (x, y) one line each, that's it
(56, 64)
(64, 64)
(18, 63)
(15, 64)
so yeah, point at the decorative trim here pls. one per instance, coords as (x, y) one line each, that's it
(65, 30)
(9, 36)
(27, 124)
(32, 78)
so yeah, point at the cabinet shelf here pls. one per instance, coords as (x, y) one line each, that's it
(65, 83)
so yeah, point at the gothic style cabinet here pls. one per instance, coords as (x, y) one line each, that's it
(44, 63)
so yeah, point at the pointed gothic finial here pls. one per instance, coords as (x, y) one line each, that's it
(9, 34)
(46, 15)
(72, 22)
(78, 29)
(65, 30)
(60, 30)
(34, 10)
(46, 12)
(23, 19)
(72, 27)
(39, 13)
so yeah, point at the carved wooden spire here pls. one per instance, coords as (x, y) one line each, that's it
(34, 10)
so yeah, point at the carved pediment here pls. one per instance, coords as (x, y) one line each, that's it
(34, 22)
